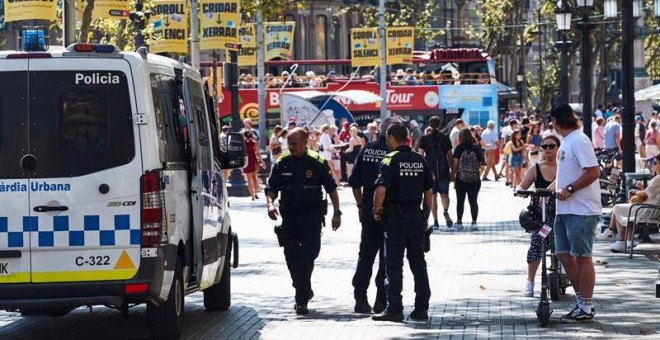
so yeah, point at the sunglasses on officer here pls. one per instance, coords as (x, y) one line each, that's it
(548, 146)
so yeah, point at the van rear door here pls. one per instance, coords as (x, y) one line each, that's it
(84, 204)
(14, 162)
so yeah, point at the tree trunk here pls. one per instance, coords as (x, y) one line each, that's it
(121, 41)
(86, 22)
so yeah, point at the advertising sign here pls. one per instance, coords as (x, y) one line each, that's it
(170, 26)
(399, 45)
(401, 98)
(247, 55)
(219, 24)
(279, 39)
(16, 10)
(114, 9)
(364, 47)
(479, 102)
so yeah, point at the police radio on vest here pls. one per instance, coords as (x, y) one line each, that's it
(96, 79)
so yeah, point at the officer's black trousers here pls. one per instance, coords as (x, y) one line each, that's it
(371, 244)
(405, 233)
(302, 233)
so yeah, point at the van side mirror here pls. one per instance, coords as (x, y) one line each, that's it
(233, 155)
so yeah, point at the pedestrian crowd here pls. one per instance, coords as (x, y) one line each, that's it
(396, 170)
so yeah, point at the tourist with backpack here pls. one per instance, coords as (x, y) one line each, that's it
(436, 150)
(466, 170)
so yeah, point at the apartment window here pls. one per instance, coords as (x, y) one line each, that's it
(321, 30)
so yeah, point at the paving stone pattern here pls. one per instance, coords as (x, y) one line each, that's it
(476, 279)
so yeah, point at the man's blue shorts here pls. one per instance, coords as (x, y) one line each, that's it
(441, 186)
(575, 234)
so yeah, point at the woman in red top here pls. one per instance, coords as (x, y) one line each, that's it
(253, 162)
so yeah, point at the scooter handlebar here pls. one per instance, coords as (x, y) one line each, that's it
(538, 192)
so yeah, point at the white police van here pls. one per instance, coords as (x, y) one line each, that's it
(110, 185)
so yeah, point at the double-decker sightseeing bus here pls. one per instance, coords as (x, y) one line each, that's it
(451, 83)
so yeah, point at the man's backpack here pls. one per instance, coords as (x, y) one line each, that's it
(468, 166)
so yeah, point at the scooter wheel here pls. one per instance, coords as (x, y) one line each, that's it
(543, 313)
(553, 285)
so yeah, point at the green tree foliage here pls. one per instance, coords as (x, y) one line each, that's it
(416, 13)
(652, 43)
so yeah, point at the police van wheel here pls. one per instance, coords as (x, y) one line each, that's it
(166, 319)
(218, 296)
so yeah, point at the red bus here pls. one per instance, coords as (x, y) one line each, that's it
(413, 91)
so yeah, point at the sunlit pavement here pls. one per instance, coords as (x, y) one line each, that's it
(476, 278)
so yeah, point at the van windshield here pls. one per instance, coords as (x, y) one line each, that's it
(80, 122)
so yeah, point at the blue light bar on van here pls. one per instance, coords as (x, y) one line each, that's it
(33, 39)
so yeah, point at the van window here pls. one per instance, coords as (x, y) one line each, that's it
(84, 123)
(171, 118)
(13, 123)
(79, 123)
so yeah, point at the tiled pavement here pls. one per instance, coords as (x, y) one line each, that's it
(476, 279)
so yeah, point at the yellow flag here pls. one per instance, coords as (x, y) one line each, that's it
(115, 9)
(170, 26)
(399, 45)
(30, 10)
(247, 55)
(278, 38)
(219, 22)
(365, 47)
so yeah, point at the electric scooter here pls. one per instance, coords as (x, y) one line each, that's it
(543, 311)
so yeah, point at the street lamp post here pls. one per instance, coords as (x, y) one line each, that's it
(563, 15)
(586, 67)
(628, 87)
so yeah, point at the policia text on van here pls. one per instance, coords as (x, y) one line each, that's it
(139, 212)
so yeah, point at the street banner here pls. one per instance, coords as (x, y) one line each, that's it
(399, 45)
(16, 10)
(219, 23)
(247, 55)
(170, 26)
(365, 47)
(114, 9)
(279, 39)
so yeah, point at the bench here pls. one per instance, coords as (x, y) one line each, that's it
(638, 222)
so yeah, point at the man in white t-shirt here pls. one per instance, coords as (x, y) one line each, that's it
(453, 135)
(578, 209)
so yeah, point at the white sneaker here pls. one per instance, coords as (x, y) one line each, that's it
(529, 289)
(630, 245)
(618, 247)
(605, 235)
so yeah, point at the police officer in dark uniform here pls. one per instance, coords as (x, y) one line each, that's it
(299, 175)
(362, 181)
(404, 178)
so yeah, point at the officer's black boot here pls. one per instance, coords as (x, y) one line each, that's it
(301, 309)
(362, 305)
(388, 316)
(419, 315)
(381, 302)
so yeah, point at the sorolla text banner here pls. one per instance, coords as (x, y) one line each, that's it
(219, 24)
(278, 39)
(115, 9)
(170, 26)
(16, 10)
(365, 47)
(247, 55)
(399, 45)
